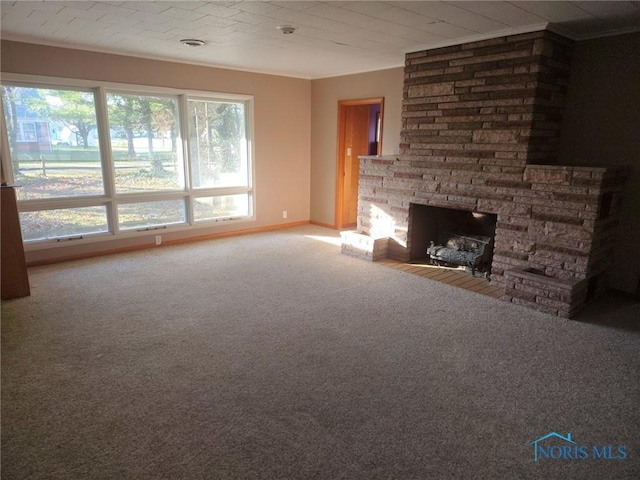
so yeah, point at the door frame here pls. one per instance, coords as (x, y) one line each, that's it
(340, 155)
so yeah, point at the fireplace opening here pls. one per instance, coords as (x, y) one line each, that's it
(448, 236)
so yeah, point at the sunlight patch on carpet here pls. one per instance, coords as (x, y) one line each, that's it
(332, 240)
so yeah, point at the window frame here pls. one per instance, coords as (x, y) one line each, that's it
(111, 199)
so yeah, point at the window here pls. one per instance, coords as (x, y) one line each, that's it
(26, 132)
(218, 145)
(63, 222)
(144, 143)
(224, 206)
(68, 168)
(100, 160)
(145, 215)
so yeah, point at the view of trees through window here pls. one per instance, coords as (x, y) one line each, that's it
(60, 158)
(144, 133)
(57, 153)
(218, 150)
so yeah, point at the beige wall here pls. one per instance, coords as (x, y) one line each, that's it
(325, 94)
(282, 115)
(602, 127)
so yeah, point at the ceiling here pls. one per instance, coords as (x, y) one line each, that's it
(332, 38)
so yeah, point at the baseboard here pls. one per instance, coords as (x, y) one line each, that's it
(236, 233)
(197, 238)
(322, 224)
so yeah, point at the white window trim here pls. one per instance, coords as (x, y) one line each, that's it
(110, 198)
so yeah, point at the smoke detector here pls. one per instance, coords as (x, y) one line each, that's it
(192, 42)
(286, 29)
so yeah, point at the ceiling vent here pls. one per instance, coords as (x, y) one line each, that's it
(286, 29)
(192, 42)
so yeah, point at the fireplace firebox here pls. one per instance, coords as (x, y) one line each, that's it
(448, 236)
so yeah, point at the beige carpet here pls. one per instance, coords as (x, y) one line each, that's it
(273, 356)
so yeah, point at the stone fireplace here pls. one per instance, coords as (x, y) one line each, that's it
(481, 124)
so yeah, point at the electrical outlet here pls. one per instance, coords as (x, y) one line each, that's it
(158, 239)
(284, 214)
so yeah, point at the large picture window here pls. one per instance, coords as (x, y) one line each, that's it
(100, 160)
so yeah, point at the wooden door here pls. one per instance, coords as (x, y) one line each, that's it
(356, 143)
(354, 137)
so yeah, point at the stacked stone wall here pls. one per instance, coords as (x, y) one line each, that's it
(550, 217)
(489, 104)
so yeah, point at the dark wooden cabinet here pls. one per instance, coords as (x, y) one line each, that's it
(15, 281)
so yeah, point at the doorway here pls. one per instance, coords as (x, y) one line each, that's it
(359, 133)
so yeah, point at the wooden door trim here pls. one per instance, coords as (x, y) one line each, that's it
(342, 105)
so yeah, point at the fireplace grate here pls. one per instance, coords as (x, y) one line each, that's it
(471, 251)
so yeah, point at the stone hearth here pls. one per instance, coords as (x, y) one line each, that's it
(481, 124)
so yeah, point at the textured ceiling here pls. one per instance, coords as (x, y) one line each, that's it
(332, 38)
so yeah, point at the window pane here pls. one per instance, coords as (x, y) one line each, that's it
(63, 222)
(144, 143)
(150, 214)
(53, 141)
(209, 208)
(218, 144)
(26, 132)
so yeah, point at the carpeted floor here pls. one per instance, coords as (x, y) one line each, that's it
(273, 356)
